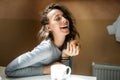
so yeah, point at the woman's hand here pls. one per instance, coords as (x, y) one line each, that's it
(73, 49)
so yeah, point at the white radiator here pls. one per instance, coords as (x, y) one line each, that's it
(106, 72)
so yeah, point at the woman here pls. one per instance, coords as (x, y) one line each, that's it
(57, 46)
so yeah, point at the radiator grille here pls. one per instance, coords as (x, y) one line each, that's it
(106, 72)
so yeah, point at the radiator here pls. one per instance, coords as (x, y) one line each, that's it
(106, 72)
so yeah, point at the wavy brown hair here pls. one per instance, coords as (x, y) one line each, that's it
(45, 34)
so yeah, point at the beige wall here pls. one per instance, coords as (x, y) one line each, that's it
(97, 46)
(19, 24)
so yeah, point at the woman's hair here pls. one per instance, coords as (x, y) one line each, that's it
(45, 34)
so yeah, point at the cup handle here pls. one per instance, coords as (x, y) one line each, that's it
(69, 71)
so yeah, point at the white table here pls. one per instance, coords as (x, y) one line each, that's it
(45, 77)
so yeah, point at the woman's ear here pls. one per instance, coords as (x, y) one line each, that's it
(48, 27)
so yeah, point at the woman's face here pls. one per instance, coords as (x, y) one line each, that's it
(58, 24)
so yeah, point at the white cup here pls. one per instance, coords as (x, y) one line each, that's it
(60, 72)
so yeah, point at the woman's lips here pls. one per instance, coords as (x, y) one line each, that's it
(64, 27)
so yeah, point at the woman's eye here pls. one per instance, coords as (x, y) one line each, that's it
(57, 19)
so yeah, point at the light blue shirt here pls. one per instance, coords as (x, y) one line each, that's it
(31, 63)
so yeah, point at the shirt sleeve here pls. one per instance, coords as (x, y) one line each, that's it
(31, 63)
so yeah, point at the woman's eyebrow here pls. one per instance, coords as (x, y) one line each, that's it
(58, 15)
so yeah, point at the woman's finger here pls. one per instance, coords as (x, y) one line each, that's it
(74, 50)
(71, 49)
(77, 50)
(68, 46)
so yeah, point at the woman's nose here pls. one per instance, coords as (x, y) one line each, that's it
(65, 20)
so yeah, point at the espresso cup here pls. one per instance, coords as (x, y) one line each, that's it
(60, 72)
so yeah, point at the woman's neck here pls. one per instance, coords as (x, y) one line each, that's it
(59, 41)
